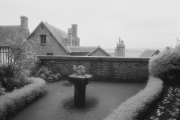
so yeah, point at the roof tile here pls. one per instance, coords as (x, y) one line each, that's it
(8, 32)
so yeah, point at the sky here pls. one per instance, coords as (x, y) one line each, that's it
(139, 23)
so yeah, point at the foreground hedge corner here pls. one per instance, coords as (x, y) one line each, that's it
(130, 109)
(11, 102)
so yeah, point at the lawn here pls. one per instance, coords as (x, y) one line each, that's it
(57, 103)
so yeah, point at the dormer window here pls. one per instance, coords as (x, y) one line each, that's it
(43, 39)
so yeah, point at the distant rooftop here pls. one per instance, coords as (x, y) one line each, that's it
(82, 48)
(149, 53)
(8, 32)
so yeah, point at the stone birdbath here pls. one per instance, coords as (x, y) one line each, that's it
(80, 82)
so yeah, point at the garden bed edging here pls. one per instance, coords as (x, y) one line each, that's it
(11, 102)
(130, 109)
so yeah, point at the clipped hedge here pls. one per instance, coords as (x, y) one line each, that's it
(12, 102)
(130, 109)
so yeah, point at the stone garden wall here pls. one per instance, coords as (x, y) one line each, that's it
(130, 70)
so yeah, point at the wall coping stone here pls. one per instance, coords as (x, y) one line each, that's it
(92, 58)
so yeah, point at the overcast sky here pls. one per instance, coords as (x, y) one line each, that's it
(140, 23)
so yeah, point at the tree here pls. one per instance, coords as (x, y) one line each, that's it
(21, 59)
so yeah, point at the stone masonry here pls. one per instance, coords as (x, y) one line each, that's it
(52, 46)
(129, 70)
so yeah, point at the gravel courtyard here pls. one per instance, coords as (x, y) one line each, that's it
(57, 103)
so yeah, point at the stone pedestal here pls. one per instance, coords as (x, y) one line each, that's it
(80, 82)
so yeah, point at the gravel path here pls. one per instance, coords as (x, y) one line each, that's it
(57, 103)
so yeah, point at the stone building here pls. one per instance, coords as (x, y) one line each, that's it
(8, 32)
(120, 49)
(50, 40)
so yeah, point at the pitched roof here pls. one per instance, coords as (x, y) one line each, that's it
(58, 34)
(81, 48)
(86, 49)
(56, 31)
(8, 32)
(149, 53)
(100, 49)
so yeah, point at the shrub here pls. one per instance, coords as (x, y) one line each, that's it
(21, 59)
(10, 103)
(47, 74)
(6, 80)
(166, 65)
(2, 90)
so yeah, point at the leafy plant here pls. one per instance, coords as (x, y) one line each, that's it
(166, 65)
(47, 74)
(79, 69)
(21, 59)
(168, 106)
(2, 90)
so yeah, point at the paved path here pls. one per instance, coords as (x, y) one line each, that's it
(57, 104)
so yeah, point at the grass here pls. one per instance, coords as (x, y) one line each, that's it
(102, 98)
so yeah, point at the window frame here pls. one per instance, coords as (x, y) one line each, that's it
(43, 39)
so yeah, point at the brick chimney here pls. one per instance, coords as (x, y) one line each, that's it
(74, 30)
(24, 22)
(24, 30)
(69, 31)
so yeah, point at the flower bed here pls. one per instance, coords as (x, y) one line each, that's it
(11, 102)
(130, 109)
(47, 74)
(167, 107)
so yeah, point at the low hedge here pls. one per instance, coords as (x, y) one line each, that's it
(17, 99)
(130, 109)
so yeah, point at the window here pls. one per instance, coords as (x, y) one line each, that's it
(43, 39)
(49, 53)
(6, 55)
